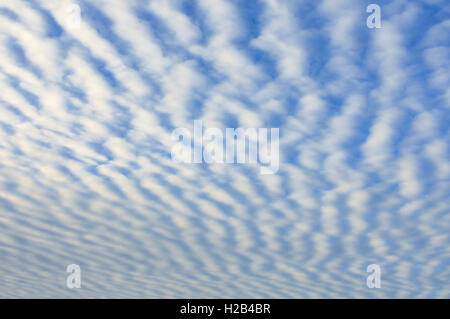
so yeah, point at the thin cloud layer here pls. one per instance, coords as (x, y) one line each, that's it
(86, 177)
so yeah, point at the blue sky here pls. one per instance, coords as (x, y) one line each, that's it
(86, 177)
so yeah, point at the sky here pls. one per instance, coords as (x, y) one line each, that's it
(88, 107)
